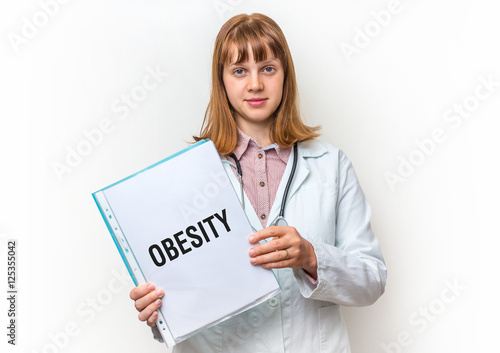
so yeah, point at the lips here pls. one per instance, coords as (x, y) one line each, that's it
(256, 102)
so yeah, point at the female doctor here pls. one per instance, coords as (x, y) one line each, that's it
(299, 193)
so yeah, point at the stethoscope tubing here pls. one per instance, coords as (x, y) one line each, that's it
(280, 220)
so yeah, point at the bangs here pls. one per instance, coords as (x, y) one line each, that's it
(261, 42)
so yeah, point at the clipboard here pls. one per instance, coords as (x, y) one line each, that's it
(179, 223)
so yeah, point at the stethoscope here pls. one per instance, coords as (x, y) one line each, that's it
(280, 220)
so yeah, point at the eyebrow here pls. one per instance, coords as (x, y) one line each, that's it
(265, 62)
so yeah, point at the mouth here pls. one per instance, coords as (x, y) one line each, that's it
(255, 102)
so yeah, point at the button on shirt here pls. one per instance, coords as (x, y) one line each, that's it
(262, 168)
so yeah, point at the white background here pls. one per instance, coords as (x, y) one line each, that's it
(439, 224)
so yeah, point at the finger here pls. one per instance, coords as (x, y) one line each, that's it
(152, 319)
(281, 264)
(270, 246)
(145, 314)
(141, 291)
(269, 232)
(148, 299)
(272, 257)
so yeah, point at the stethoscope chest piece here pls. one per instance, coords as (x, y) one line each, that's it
(281, 222)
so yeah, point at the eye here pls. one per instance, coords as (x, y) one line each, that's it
(239, 72)
(269, 69)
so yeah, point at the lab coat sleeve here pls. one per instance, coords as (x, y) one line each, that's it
(351, 272)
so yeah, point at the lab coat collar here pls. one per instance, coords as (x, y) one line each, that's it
(306, 149)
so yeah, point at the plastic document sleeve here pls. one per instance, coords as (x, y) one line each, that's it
(179, 224)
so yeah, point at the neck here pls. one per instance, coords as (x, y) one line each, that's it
(260, 133)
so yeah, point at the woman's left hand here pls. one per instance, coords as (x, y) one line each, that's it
(286, 249)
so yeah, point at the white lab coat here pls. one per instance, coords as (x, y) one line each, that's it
(327, 207)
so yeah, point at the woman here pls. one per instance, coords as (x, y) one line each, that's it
(327, 255)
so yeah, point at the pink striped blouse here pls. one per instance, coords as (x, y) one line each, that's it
(263, 168)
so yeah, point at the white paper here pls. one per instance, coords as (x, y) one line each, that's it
(208, 282)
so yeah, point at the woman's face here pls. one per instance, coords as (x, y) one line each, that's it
(254, 90)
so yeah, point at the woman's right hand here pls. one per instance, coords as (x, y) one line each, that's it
(147, 300)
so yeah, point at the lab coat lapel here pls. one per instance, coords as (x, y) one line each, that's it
(305, 151)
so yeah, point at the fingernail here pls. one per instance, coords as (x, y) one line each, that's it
(159, 293)
(158, 302)
(253, 260)
(150, 286)
(251, 238)
(155, 314)
(252, 252)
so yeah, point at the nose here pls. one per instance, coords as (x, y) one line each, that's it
(255, 82)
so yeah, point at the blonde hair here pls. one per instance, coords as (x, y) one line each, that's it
(263, 35)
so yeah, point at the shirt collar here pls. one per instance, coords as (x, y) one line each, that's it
(242, 144)
(244, 141)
